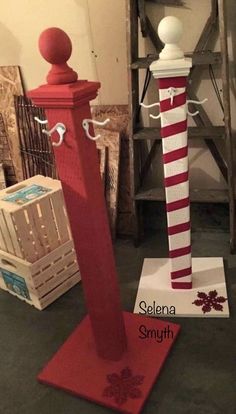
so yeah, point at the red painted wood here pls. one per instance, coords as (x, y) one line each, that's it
(177, 82)
(83, 374)
(78, 167)
(57, 55)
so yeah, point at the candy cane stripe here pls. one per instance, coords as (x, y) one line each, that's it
(181, 273)
(179, 252)
(179, 228)
(176, 178)
(181, 285)
(177, 205)
(175, 155)
(180, 82)
(177, 128)
(178, 101)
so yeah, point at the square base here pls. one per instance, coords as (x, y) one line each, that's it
(156, 297)
(121, 385)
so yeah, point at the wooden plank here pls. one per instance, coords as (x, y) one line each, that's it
(230, 151)
(51, 257)
(152, 33)
(196, 195)
(13, 234)
(148, 161)
(152, 133)
(133, 104)
(10, 85)
(142, 17)
(2, 177)
(2, 241)
(6, 233)
(61, 219)
(202, 58)
(48, 220)
(57, 280)
(53, 268)
(60, 290)
(37, 234)
(209, 28)
(23, 231)
(201, 120)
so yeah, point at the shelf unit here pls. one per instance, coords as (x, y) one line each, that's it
(204, 129)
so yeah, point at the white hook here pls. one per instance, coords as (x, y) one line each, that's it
(196, 103)
(151, 106)
(171, 91)
(40, 121)
(85, 125)
(61, 129)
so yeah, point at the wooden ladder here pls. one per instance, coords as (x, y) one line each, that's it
(204, 128)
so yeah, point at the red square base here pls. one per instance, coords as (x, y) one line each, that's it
(123, 385)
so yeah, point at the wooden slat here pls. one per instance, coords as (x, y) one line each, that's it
(62, 222)
(60, 290)
(193, 132)
(49, 223)
(13, 234)
(38, 236)
(2, 241)
(6, 233)
(203, 58)
(196, 195)
(53, 268)
(44, 261)
(23, 231)
(57, 280)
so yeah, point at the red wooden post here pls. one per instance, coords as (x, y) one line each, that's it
(94, 363)
(67, 100)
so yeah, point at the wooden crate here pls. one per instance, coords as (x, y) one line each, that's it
(33, 218)
(42, 282)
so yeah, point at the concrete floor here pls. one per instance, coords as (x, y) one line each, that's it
(199, 376)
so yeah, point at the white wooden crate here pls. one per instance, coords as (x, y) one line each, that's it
(33, 218)
(42, 282)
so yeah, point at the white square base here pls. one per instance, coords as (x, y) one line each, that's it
(156, 297)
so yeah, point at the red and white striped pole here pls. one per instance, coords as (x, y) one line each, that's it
(171, 71)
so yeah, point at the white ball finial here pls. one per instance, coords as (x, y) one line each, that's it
(170, 31)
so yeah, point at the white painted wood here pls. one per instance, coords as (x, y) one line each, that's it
(155, 286)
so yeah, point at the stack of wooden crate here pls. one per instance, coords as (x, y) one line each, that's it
(37, 257)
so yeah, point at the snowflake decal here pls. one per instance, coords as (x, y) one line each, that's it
(123, 386)
(210, 301)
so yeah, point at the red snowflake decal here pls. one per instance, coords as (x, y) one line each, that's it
(210, 301)
(123, 386)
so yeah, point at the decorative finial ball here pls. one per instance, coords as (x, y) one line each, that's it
(170, 30)
(55, 46)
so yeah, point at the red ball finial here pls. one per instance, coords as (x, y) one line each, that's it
(55, 47)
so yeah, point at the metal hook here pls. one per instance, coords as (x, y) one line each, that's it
(40, 121)
(196, 103)
(151, 106)
(85, 125)
(171, 91)
(61, 129)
